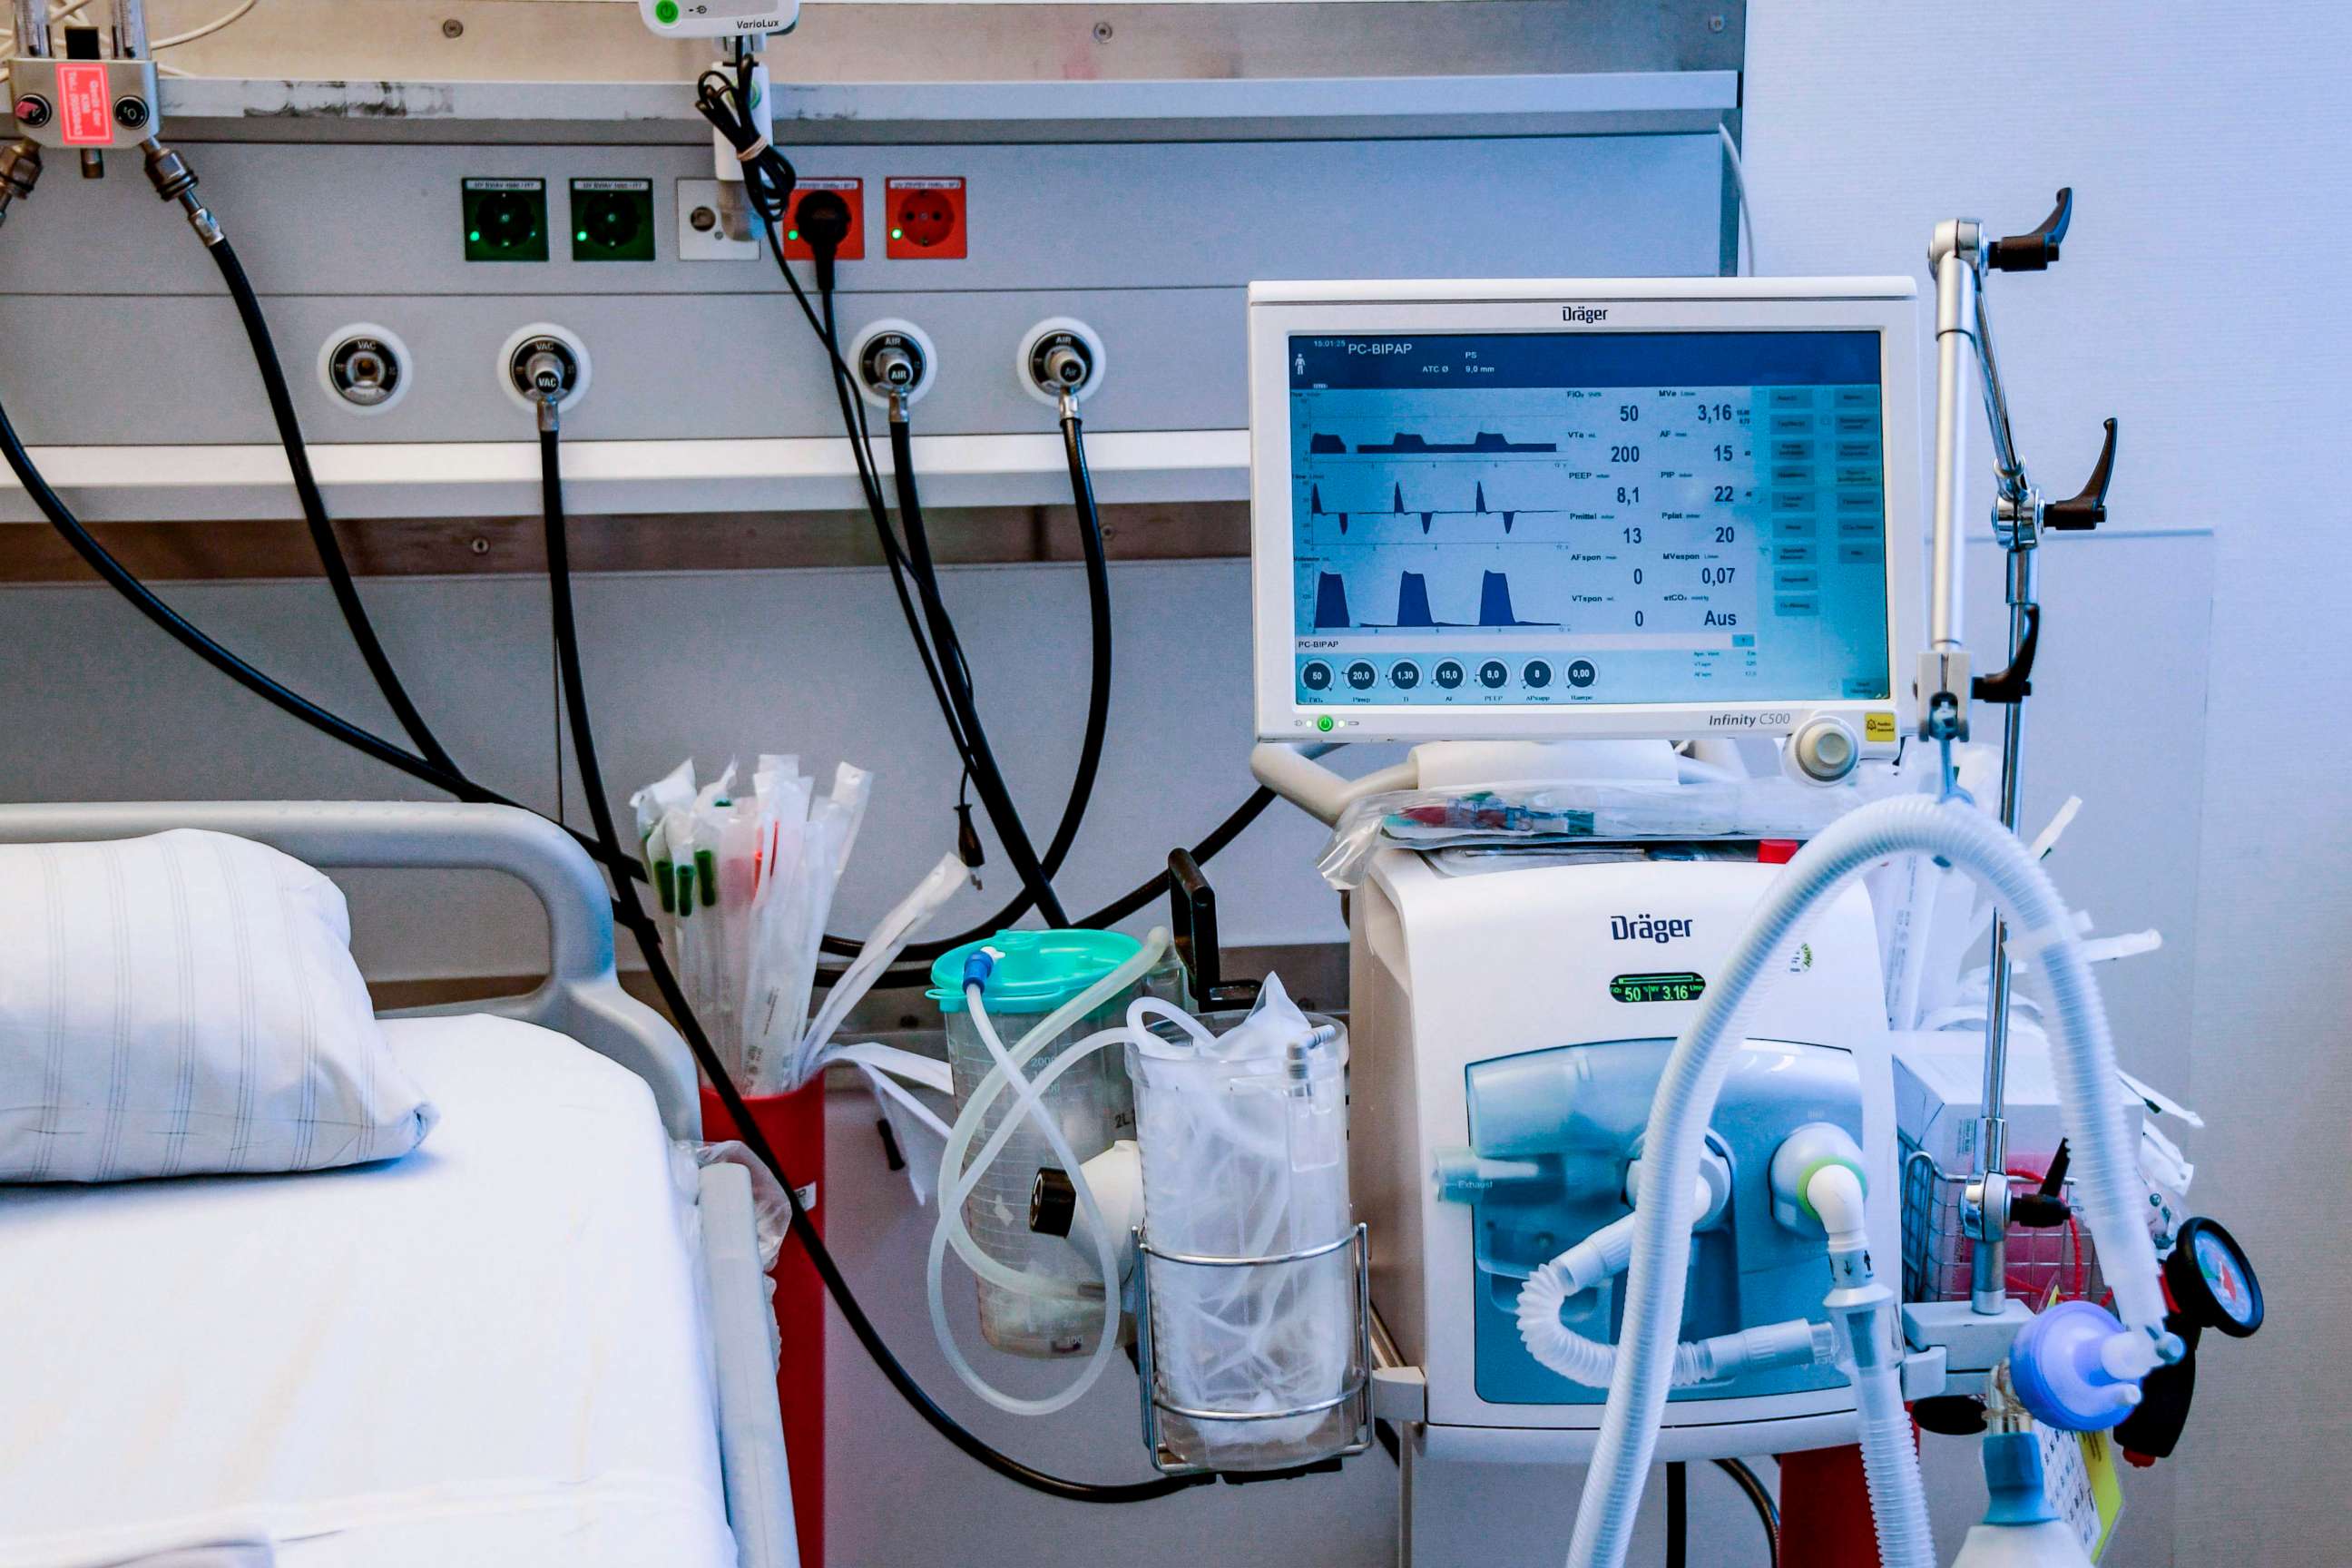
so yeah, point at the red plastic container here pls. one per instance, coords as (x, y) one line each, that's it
(794, 1125)
(1825, 1510)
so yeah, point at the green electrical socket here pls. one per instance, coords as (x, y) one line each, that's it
(612, 220)
(506, 220)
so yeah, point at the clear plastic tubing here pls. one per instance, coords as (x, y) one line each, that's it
(968, 1123)
(2083, 1057)
(956, 1182)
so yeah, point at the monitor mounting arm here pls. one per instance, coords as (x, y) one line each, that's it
(1960, 255)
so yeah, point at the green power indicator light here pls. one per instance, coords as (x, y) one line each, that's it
(897, 234)
(792, 234)
(1324, 723)
(581, 237)
(475, 235)
(666, 13)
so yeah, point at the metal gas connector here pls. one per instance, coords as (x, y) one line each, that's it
(20, 170)
(175, 182)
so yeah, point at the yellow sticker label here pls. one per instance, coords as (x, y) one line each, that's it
(2078, 1477)
(1878, 727)
(2107, 1486)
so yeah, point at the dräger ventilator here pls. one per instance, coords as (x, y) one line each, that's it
(1622, 1114)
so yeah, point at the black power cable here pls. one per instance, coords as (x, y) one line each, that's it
(632, 914)
(1760, 1498)
(314, 509)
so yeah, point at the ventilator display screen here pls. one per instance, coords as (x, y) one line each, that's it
(1587, 518)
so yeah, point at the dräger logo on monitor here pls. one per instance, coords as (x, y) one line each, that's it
(1587, 313)
(1646, 928)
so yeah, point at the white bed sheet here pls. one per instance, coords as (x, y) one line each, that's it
(489, 1352)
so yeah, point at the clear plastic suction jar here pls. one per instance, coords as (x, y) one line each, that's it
(1057, 1311)
(1254, 1322)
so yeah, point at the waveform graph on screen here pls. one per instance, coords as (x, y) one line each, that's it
(1495, 603)
(1331, 603)
(1346, 510)
(1391, 593)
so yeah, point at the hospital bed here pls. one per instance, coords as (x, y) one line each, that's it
(543, 1337)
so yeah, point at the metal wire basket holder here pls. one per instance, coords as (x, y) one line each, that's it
(1938, 1248)
(1350, 1408)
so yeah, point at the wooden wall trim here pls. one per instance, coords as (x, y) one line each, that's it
(414, 547)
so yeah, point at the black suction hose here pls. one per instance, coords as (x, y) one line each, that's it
(314, 509)
(986, 777)
(188, 635)
(632, 914)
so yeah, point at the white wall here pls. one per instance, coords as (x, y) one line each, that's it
(2200, 299)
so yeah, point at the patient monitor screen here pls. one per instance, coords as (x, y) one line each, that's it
(1564, 518)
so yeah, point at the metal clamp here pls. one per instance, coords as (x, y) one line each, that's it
(1358, 1390)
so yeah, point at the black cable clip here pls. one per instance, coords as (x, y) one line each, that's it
(1193, 918)
(2034, 252)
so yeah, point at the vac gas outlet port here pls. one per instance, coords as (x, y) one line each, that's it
(365, 367)
(543, 360)
(894, 358)
(1060, 355)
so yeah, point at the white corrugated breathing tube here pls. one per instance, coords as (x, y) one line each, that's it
(1603, 1255)
(2084, 1061)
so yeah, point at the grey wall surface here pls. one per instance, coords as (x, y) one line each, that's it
(2224, 361)
(1151, 245)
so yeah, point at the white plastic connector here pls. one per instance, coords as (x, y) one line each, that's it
(1711, 1193)
(1800, 1157)
(1836, 1195)
(1116, 1177)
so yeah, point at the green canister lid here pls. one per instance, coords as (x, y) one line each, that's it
(1037, 970)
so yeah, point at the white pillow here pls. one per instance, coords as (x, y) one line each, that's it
(186, 1003)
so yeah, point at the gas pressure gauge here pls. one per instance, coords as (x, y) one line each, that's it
(2212, 1282)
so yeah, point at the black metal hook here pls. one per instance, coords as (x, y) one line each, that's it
(1193, 922)
(2016, 683)
(2034, 252)
(2089, 509)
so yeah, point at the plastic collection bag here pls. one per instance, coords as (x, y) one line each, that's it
(1242, 1138)
(1575, 812)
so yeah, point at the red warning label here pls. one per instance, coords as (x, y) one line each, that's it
(85, 114)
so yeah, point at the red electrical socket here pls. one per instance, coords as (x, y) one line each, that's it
(926, 219)
(852, 246)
